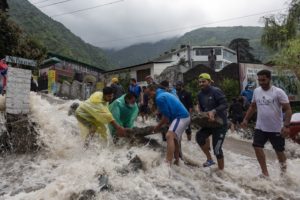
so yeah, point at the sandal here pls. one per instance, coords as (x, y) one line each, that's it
(208, 163)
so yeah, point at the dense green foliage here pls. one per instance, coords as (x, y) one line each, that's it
(203, 36)
(244, 50)
(193, 88)
(282, 33)
(230, 88)
(14, 43)
(279, 29)
(53, 35)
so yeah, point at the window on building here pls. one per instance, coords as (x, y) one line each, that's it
(206, 51)
(228, 55)
(141, 74)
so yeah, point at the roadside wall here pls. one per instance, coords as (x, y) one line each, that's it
(18, 90)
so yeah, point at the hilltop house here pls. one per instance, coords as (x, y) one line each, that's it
(186, 57)
(195, 55)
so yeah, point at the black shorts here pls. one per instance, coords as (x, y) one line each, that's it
(237, 119)
(261, 138)
(218, 136)
(144, 109)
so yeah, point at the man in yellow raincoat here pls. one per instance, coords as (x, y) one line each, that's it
(93, 115)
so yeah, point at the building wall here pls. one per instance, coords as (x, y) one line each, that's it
(159, 67)
(126, 73)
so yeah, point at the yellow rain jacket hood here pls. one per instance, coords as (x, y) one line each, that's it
(94, 112)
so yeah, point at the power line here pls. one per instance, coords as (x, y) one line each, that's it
(84, 9)
(195, 26)
(40, 2)
(54, 3)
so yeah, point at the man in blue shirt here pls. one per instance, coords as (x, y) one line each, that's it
(135, 89)
(172, 111)
(248, 93)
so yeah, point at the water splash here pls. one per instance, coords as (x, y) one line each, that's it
(64, 168)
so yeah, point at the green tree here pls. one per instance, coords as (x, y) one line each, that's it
(14, 42)
(282, 34)
(279, 29)
(10, 35)
(289, 56)
(243, 49)
(230, 88)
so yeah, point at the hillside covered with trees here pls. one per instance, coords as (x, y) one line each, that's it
(54, 35)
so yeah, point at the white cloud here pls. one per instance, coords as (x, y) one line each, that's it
(134, 21)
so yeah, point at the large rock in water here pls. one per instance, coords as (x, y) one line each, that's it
(201, 120)
(139, 132)
(20, 135)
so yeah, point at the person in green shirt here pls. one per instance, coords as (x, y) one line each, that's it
(124, 111)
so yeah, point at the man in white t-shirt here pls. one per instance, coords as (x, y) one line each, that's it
(270, 103)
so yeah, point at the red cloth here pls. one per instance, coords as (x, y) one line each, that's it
(3, 65)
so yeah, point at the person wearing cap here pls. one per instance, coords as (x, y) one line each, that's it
(186, 99)
(173, 112)
(212, 100)
(118, 89)
(149, 80)
(93, 115)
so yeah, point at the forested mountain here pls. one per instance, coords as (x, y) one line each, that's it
(203, 36)
(54, 35)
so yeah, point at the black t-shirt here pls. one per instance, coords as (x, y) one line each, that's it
(185, 98)
(236, 109)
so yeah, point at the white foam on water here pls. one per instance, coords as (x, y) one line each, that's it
(63, 167)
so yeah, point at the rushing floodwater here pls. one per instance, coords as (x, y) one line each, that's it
(64, 168)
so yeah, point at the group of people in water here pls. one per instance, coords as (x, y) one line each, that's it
(119, 109)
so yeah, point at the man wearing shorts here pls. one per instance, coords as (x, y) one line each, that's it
(270, 103)
(212, 100)
(172, 111)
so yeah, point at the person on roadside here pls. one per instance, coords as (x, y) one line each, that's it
(165, 85)
(270, 102)
(173, 112)
(135, 89)
(93, 115)
(144, 108)
(186, 99)
(149, 80)
(212, 100)
(212, 58)
(236, 113)
(118, 89)
(248, 93)
(125, 111)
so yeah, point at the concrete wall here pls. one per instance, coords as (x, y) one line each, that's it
(17, 91)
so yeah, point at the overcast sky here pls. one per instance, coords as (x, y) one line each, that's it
(120, 23)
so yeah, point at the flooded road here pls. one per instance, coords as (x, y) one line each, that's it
(63, 168)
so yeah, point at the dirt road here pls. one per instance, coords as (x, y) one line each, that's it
(245, 148)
